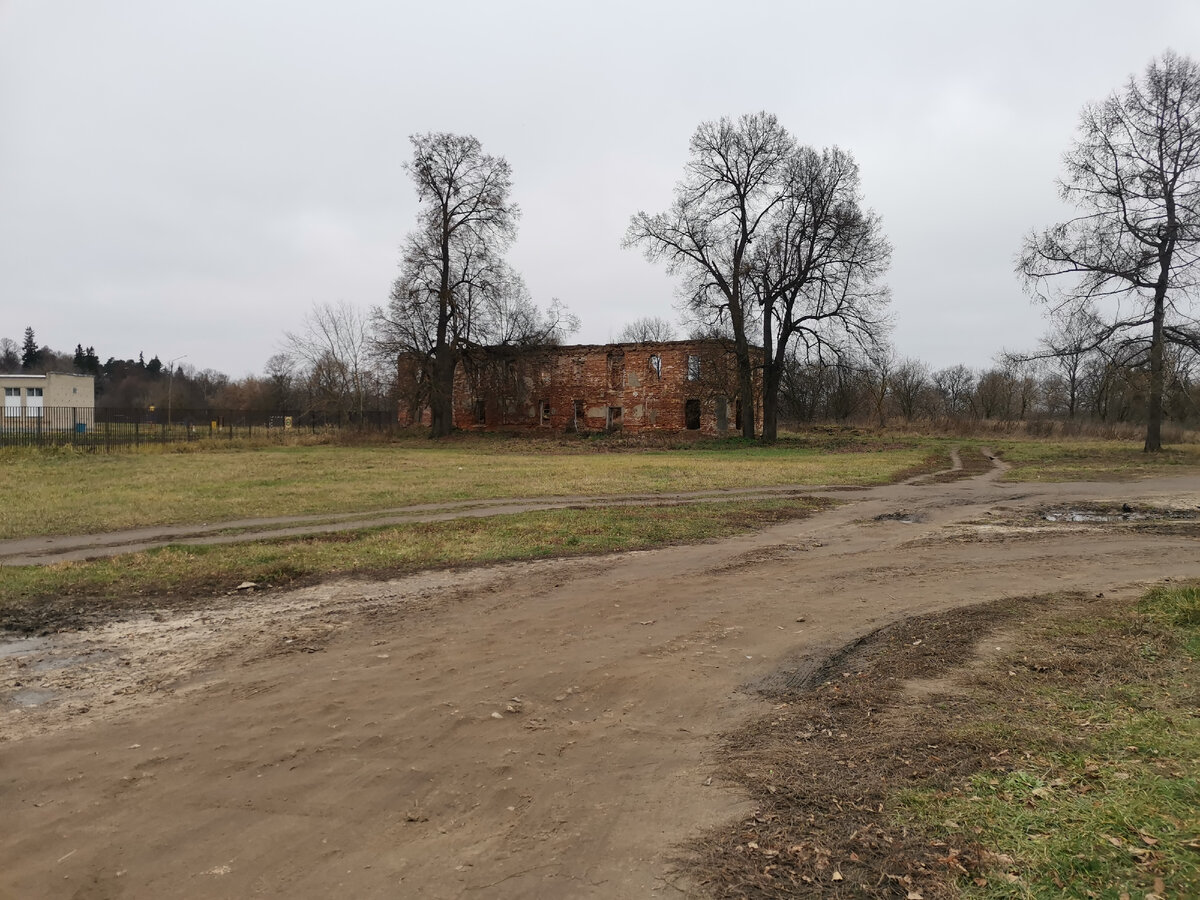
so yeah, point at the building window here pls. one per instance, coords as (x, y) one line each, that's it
(614, 418)
(691, 414)
(33, 402)
(579, 413)
(693, 368)
(480, 412)
(12, 402)
(545, 412)
(616, 369)
(656, 365)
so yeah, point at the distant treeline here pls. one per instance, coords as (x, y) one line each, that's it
(1103, 385)
(1091, 387)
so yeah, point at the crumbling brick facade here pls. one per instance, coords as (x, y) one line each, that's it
(673, 386)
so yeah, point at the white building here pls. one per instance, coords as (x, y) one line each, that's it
(55, 400)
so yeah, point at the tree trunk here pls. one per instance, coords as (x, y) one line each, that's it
(441, 395)
(770, 420)
(441, 399)
(744, 365)
(1154, 412)
(746, 390)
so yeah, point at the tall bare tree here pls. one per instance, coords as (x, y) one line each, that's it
(771, 237)
(816, 273)
(453, 261)
(455, 292)
(1129, 259)
(728, 191)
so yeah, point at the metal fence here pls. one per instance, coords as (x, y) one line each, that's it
(110, 428)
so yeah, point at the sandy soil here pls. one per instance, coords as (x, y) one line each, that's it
(531, 730)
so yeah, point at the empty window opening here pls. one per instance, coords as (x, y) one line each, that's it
(614, 418)
(579, 414)
(616, 369)
(480, 412)
(691, 414)
(656, 365)
(545, 405)
(693, 368)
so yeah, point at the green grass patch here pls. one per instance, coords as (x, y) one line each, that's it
(77, 493)
(1101, 797)
(72, 593)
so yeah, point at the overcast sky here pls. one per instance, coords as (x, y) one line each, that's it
(188, 178)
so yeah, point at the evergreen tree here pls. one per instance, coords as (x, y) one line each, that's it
(30, 354)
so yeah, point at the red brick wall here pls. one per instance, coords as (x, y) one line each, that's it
(543, 389)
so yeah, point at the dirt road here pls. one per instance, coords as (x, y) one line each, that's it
(533, 730)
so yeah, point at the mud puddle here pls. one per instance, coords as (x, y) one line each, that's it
(1124, 513)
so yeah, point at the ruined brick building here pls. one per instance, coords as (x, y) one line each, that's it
(655, 386)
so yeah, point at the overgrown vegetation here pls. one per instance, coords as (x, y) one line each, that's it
(1057, 756)
(71, 594)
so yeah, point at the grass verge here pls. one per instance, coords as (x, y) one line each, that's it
(1059, 756)
(71, 594)
(1092, 460)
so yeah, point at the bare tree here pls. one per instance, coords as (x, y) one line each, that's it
(648, 328)
(910, 381)
(1130, 258)
(881, 368)
(333, 347)
(771, 235)
(1068, 347)
(956, 390)
(729, 189)
(453, 262)
(279, 382)
(455, 292)
(815, 274)
(10, 355)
